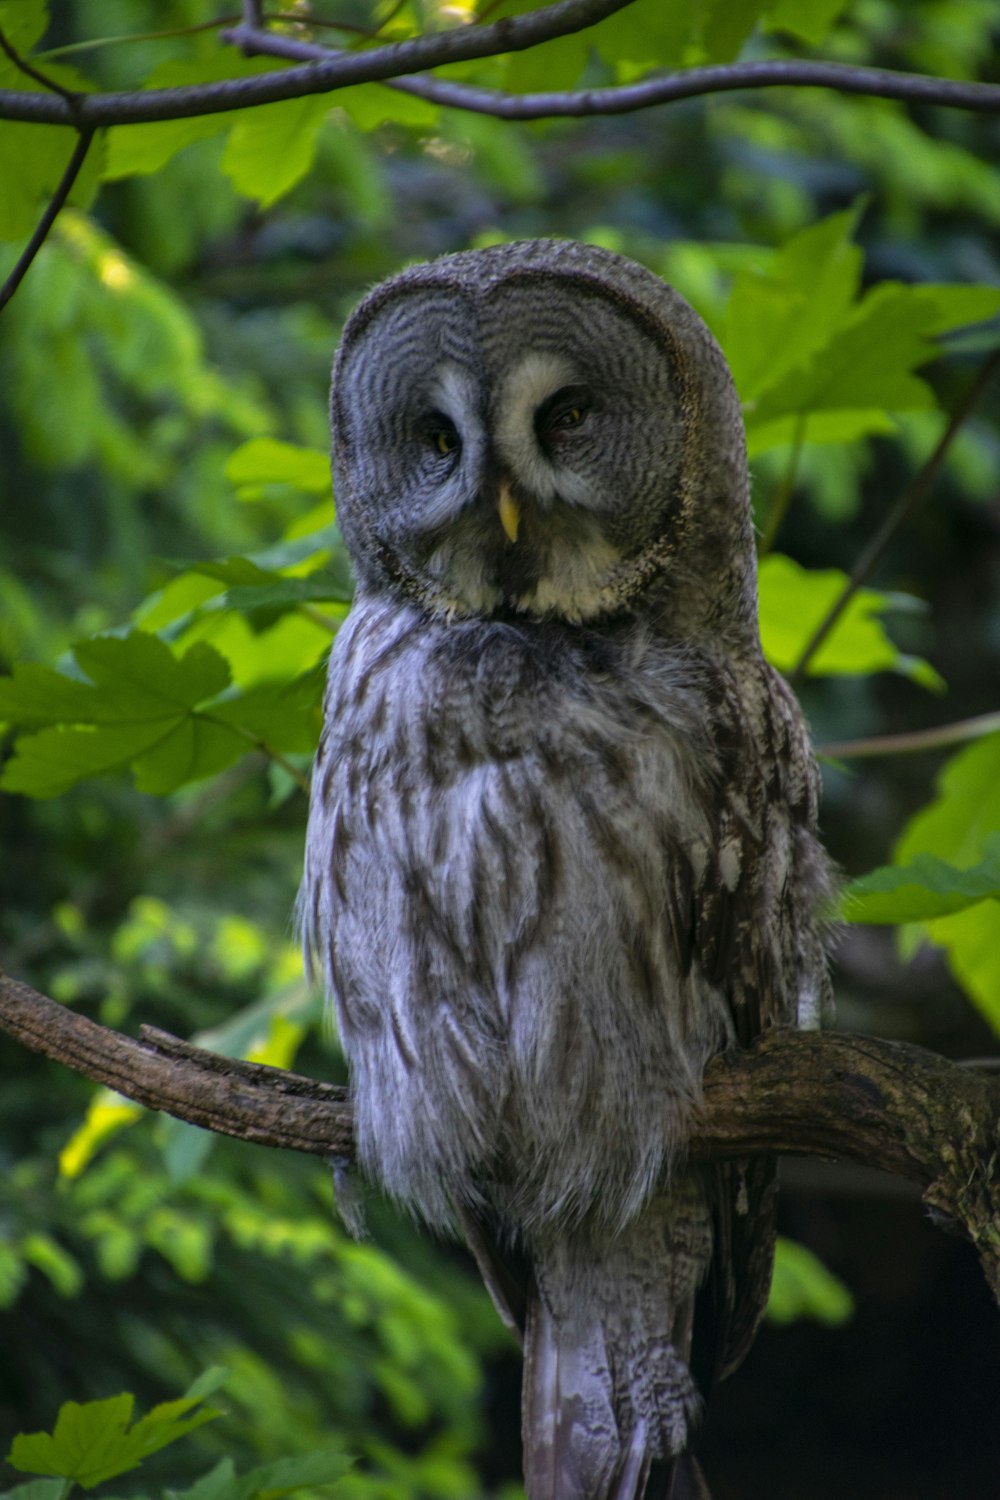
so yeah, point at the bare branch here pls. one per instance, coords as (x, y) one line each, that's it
(661, 89)
(938, 738)
(885, 1104)
(336, 70)
(40, 78)
(48, 218)
(324, 70)
(908, 503)
(255, 1103)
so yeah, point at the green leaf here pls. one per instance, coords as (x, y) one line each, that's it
(286, 716)
(650, 34)
(809, 20)
(263, 461)
(194, 748)
(220, 1483)
(962, 826)
(800, 344)
(284, 593)
(37, 1489)
(132, 679)
(46, 1255)
(47, 764)
(969, 938)
(802, 1287)
(134, 150)
(779, 317)
(271, 148)
(370, 105)
(927, 887)
(94, 1442)
(793, 603)
(137, 708)
(870, 360)
(286, 1475)
(33, 157)
(961, 820)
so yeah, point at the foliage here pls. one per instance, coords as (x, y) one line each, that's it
(171, 577)
(99, 1441)
(803, 1288)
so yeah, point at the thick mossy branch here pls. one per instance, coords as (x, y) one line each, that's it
(884, 1104)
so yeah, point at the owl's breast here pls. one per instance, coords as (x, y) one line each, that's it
(503, 836)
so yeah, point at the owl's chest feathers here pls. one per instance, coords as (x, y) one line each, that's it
(546, 704)
(522, 845)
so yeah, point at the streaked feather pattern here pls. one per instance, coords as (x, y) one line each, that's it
(562, 835)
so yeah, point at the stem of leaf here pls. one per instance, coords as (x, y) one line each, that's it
(782, 500)
(319, 618)
(908, 503)
(919, 739)
(300, 779)
(48, 218)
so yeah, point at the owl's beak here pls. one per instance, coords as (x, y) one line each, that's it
(510, 513)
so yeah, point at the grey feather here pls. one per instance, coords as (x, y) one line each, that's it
(562, 841)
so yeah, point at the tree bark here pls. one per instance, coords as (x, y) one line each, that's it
(857, 1098)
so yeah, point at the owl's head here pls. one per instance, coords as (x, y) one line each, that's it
(542, 429)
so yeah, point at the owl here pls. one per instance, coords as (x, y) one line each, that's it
(562, 835)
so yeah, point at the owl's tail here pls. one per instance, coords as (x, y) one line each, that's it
(608, 1398)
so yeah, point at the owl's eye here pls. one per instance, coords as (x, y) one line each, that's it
(562, 410)
(442, 434)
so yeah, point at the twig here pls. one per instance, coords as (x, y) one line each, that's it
(885, 1104)
(914, 740)
(327, 71)
(48, 218)
(909, 502)
(782, 500)
(69, 95)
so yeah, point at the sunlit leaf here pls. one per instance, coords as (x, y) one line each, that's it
(137, 708)
(779, 317)
(33, 157)
(263, 461)
(93, 1442)
(809, 20)
(962, 826)
(107, 1113)
(927, 887)
(802, 1287)
(272, 148)
(142, 149)
(793, 603)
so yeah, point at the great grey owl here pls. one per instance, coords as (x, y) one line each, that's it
(561, 843)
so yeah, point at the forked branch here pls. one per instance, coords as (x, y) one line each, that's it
(885, 1104)
(406, 65)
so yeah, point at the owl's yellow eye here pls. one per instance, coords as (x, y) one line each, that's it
(569, 418)
(565, 408)
(440, 433)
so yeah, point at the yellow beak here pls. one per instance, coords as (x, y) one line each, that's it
(510, 513)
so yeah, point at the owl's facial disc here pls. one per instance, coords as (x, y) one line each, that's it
(517, 450)
(527, 535)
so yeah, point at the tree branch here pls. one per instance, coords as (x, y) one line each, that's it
(884, 1104)
(324, 70)
(908, 503)
(48, 218)
(336, 70)
(938, 738)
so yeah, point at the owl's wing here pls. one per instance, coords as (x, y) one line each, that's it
(755, 935)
